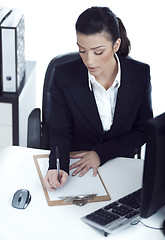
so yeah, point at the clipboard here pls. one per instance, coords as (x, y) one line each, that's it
(86, 184)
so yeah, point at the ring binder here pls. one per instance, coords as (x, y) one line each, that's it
(4, 12)
(13, 47)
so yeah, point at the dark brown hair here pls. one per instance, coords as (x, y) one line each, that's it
(99, 19)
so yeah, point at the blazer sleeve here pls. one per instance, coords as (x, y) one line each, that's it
(60, 128)
(127, 145)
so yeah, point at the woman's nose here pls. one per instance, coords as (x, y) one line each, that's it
(89, 59)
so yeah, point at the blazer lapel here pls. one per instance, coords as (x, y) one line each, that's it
(85, 100)
(122, 105)
(127, 94)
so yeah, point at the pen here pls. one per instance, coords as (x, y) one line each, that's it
(58, 164)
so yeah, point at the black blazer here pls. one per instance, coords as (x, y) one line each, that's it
(76, 124)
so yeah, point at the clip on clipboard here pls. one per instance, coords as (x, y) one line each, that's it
(79, 200)
(77, 190)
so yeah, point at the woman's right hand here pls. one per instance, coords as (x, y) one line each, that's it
(51, 179)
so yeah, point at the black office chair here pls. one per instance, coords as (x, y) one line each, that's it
(38, 127)
(38, 124)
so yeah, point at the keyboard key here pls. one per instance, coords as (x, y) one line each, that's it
(121, 210)
(111, 205)
(102, 217)
(132, 214)
(132, 200)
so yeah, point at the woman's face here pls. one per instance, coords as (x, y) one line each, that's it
(97, 52)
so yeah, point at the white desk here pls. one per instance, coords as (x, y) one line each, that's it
(40, 222)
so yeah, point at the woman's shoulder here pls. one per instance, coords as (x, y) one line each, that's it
(70, 65)
(70, 70)
(132, 62)
(134, 71)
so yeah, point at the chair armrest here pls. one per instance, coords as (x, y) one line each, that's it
(34, 129)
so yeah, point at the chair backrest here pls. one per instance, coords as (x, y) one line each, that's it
(47, 97)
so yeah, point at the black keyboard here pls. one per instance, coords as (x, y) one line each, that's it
(118, 213)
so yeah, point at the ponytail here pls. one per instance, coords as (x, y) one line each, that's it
(125, 42)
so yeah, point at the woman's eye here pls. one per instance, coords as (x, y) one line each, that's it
(98, 53)
(81, 51)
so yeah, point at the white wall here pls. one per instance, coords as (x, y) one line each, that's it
(50, 31)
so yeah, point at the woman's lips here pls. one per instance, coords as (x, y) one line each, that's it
(92, 69)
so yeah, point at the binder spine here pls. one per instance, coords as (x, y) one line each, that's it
(13, 57)
(4, 13)
(8, 60)
(20, 52)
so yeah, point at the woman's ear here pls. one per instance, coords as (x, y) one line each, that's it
(116, 45)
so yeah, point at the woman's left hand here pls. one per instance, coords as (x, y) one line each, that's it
(88, 160)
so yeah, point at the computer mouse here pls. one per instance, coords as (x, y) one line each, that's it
(163, 227)
(21, 199)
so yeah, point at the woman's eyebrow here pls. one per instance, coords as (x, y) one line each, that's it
(91, 48)
(98, 47)
(80, 45)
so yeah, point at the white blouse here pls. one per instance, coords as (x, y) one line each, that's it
(106, 99)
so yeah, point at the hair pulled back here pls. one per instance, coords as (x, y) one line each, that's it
(102, 19)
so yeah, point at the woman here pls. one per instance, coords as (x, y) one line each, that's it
(102, 101)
